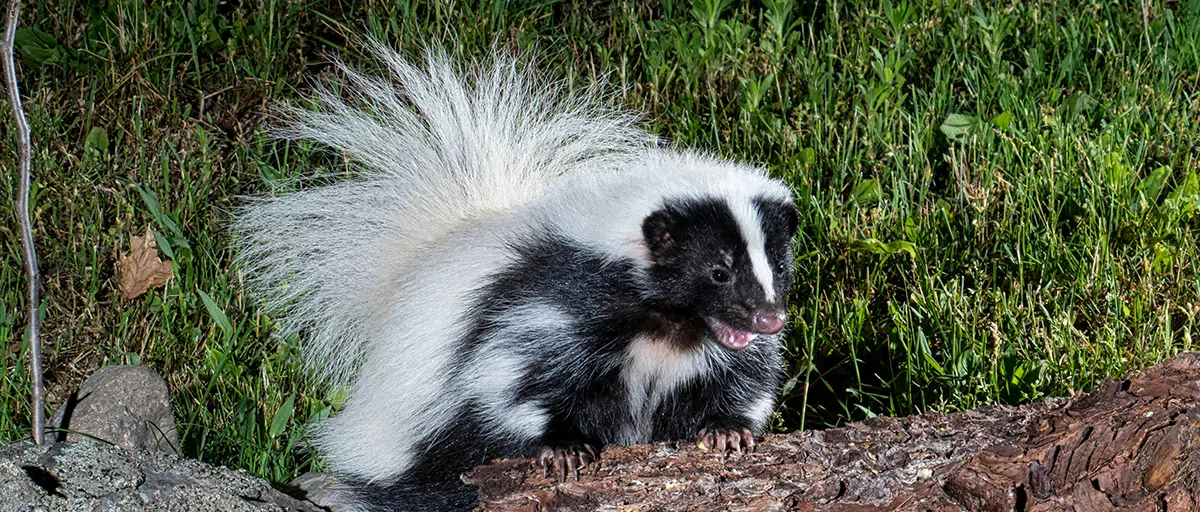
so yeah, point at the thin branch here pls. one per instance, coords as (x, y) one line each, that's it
(24, 148)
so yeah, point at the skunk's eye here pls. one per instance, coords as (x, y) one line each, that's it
(720, 275)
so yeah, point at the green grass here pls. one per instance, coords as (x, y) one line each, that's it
(999, 200)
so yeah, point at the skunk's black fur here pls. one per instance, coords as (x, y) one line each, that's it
(534, 276)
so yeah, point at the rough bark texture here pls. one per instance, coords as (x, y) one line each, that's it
(1132, 444)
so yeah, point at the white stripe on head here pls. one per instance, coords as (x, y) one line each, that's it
(750, 225)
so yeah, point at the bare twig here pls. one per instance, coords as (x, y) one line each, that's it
(23, 153)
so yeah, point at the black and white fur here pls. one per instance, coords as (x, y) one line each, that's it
(514, 267)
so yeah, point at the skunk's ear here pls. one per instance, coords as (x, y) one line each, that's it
(658, 230)
(779, 217)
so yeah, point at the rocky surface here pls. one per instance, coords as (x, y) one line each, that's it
(322, 490)
(89, 475)
(124, 405)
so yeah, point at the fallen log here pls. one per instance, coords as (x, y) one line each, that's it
(1132, 444)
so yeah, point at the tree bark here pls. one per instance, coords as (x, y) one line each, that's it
(1133, 444)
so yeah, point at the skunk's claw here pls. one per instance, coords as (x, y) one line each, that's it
(569, 458)
(723, 440)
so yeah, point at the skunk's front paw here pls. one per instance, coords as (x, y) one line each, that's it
(722, 440)
(568, 458)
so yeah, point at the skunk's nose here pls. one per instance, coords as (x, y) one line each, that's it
(768, 322)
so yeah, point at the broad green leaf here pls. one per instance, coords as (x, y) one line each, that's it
(1153, 183)
(902, 246)
(870, 245)
(97, 140)
(790, 384)
(808, 156)
(282, 416)
(910, 228)
(1003, 121)
(1076, 104)
(932, 362)
(1186, 197)
(1187, 190)
(868, 412)
(1164, 258)
(875, 246)
(164, 245)
(215, 312)
(156, 211)
(38, 48)
(1119, 174)
(958, 127)
(337, 397)
(868, 191)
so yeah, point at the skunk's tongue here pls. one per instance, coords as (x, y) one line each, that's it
(733, 339)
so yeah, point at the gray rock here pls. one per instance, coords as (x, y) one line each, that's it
(125, 405)
(89, 475)
(323, 490)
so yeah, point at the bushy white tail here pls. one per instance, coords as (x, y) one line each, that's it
(434, 146)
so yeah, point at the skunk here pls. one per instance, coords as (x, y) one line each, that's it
(514, 269)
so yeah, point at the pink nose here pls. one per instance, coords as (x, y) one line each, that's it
(768, 323)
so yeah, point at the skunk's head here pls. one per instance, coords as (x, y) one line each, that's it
(723, 261)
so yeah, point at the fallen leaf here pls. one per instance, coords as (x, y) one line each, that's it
(141, 268)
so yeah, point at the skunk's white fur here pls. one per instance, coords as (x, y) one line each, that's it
(379, 273)
(434, 147)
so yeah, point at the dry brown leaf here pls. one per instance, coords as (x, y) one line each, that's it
(141, 268)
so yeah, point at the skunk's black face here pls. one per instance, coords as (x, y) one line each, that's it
(727, 264)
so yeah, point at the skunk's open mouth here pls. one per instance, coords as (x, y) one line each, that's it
(731, 338)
